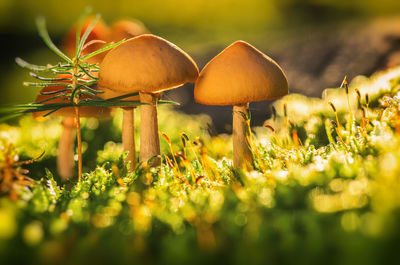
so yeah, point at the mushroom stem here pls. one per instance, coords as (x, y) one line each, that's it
(79, 139)
(128, 136)
(149, 138)
(65, 158)
(242, 156)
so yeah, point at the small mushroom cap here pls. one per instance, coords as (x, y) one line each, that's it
(69, 111)
(148, 64)
(126, 29)
(100, 31)
(240, 74)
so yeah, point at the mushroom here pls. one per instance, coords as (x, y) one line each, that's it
(65, 160)
(126, 29)
(121, 29)
(149, 65)
(238, 75)
(66, 145)
(128, 119)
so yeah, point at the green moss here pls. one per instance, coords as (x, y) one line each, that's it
(327, 196)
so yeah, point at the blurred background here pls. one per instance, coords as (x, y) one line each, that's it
(317, 42)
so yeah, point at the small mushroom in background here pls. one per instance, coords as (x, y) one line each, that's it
(149, 65)
(121, 29)
(99, 32)
(238, 75)
(128, 119)
(126, 29)
(65, 158)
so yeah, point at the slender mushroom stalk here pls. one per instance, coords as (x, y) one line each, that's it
(149, 65)
(238, 75)
(128, 135)
(65, 158)
(242, 155)
(149, 138)
(79, 140)
(128, 125)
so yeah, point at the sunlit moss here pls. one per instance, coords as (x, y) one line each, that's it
(337, 182)
(8, 224)
(33, 233)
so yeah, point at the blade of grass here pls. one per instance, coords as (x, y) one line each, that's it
(98, 103)
(33, 67)
(85, 92)
(105, 48)
(34, 84)
(87, 72)
(92, 90)
(41, 68)
(34, 107)
(73, 94)
(123, 96)
(49, 106)
(55, 97)
(87, 82)
(82, 17)
(92, 42)
(11, 116)
(55, 92)
(50, 112)
(162, 102)
(61, 72)
(94, 66)
(86, 35)
(41, 78)
(41, 25)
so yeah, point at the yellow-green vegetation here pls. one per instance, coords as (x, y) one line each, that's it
(325, 188)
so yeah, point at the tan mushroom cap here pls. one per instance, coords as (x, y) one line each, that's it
(69, 111)
(240, 74)
(148, 64)
(126, 29)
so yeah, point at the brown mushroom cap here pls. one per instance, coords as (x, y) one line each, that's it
(240, 74)
(126, 29)
(69, 111)
(148, 64)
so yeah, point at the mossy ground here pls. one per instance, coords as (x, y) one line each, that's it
(324, 190)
